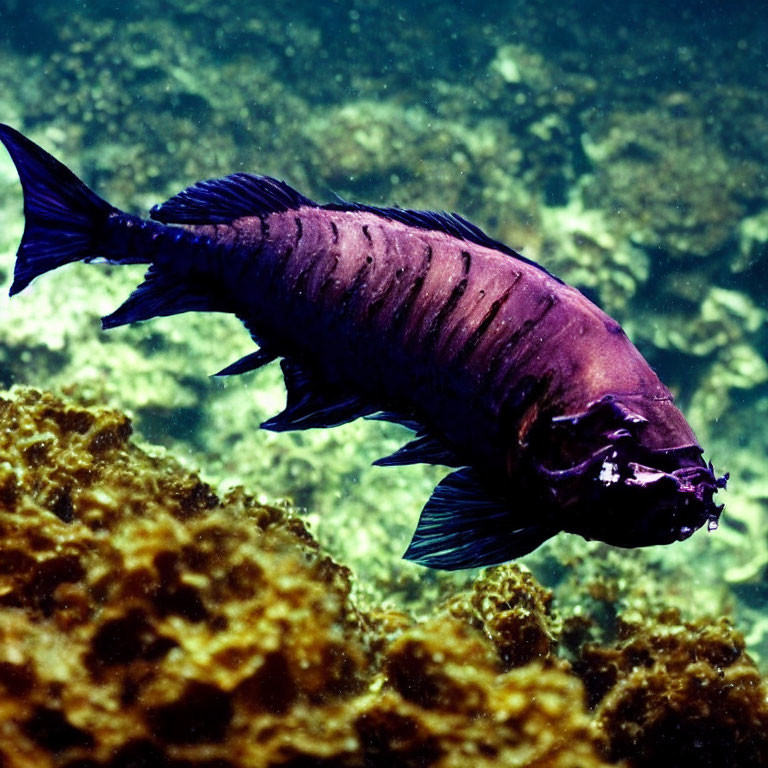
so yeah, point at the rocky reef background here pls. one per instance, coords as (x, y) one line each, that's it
(625, 147)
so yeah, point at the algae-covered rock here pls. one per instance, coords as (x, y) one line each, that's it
(514, 611)
(139, 613)
(674, 693)
(144, 621)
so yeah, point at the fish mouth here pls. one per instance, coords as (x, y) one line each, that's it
(683, 498)
(632, 497)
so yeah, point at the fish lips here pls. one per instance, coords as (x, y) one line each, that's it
(635, 504)
(681, 500)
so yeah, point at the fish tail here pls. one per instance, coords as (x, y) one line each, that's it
(64, 219)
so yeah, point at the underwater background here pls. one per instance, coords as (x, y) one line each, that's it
(622, 146)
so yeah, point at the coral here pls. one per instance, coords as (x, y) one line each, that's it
(145, 621)
(514, 611)
(453, 702)
(138, 610)
(674, 693)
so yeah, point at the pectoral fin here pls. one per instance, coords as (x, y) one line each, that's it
(463, 526)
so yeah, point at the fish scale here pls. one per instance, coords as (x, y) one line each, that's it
(551, 415)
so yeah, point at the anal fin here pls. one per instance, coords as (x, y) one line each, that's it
(162, 294)
(248, 363)
(403, 420)
(425, 449)
(311, 403)
(463, 526)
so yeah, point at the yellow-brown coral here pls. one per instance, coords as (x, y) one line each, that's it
(144, 622)
(675, 693)
(449, 679)
(139, 611)
(514, 611)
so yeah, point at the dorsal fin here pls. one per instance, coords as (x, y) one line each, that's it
(221, 201)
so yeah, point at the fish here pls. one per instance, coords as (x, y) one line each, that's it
(550, 418)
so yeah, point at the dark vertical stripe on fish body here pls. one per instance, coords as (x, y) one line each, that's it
(440, 283)
(484, 326)
(437, 323)
(412, 286)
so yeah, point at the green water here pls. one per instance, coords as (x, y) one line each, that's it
(626, 150)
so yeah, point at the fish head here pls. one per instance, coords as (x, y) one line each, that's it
(618, 474)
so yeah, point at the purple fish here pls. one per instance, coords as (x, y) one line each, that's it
(553, 419)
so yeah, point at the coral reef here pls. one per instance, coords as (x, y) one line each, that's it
(144, 621)
(138, 610)
(677, 693)
(449, 682)
(514, 612)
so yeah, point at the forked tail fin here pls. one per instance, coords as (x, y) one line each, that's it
(63, 216)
